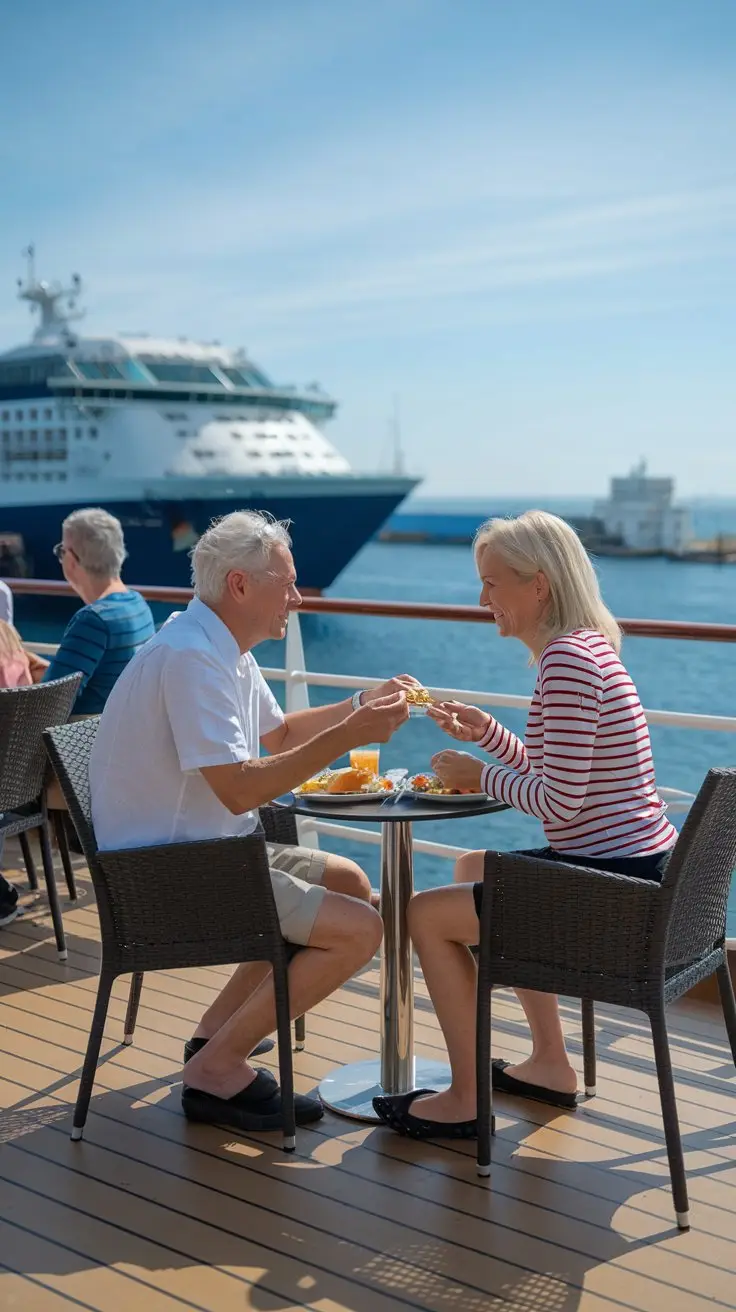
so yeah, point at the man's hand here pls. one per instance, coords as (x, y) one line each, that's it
(458, 770)
(399, 683)
(378, 721)
(466, 723)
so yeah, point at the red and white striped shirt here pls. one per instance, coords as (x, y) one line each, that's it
(585, 768)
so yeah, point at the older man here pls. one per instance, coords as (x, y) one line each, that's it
(115, 621)
(177, 759)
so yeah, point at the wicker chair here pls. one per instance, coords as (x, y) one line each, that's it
(153, 915)
(279, 826)
(24, 714)
(608, 938)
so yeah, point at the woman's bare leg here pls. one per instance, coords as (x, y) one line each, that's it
(442, 923)
(549, 1064)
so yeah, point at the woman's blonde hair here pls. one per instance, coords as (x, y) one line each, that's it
(10, 640)
(539, 542)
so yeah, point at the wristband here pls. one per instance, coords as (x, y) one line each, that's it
(357, 703)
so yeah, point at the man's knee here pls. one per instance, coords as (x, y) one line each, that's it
(348, 925)
(345, 876)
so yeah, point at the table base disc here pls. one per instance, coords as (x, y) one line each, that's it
(350, 1090)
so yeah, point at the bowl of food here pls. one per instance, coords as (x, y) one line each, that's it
(418, 699)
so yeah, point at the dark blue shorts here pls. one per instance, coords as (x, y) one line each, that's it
(637, 867)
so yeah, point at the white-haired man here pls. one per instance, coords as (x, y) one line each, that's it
(115, 620)
(177, 759)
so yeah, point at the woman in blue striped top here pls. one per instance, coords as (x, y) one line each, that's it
(115, 621)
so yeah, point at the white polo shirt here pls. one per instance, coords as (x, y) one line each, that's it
(187, 699)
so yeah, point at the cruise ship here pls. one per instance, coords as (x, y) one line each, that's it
(167, 434)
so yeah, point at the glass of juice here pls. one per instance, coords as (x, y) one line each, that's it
(365, 758)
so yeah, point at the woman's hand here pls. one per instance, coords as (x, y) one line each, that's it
(458, 770)
(466, 723)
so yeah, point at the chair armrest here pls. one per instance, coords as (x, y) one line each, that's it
(279, 825)
(549, 917)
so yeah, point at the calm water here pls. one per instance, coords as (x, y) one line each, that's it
(682, 676)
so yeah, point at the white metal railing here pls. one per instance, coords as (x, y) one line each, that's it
(298, 680)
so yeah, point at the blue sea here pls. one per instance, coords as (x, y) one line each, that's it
(680, 676)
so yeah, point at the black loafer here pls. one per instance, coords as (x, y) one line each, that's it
(258, 1107)
(195, 1045)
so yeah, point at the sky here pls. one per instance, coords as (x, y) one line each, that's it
(513, 223)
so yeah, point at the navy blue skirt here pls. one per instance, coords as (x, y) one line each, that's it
(636, 867)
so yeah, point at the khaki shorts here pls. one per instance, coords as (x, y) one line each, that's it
(296, 876)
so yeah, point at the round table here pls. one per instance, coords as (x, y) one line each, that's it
(351, 1089)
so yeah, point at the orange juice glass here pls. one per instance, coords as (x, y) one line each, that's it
(365, 758)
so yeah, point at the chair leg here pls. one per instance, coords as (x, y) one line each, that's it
(728, 1002)
(286, 1066)
(300, 1033)
(28, 862)
(669, 1115)
(589, 1063)
(91, 1057)
(48, 872)
(66, 861)
(131, 1015)
(484, 1095)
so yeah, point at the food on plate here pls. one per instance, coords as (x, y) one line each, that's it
(433, 787)
(349, 781)
(345, 781)
(418, 697)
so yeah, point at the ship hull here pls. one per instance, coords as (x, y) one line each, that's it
(327, 530)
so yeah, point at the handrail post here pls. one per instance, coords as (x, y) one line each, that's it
(297, 699)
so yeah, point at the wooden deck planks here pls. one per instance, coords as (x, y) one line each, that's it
(147, 1209)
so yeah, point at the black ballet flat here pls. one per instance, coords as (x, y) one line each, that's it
(537, 1092)
(393, 1110)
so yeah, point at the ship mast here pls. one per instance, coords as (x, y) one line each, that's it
(47, 298)
(398, 453)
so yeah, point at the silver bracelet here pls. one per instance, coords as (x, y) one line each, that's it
(357, 703)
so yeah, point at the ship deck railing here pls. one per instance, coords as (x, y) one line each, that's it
(297, 679)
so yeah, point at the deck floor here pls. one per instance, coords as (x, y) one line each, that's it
(149, 1211)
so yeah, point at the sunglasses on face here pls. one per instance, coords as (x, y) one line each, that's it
(60, 551)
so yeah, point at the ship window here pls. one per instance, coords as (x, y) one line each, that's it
(247, 377)
(48, 434)
(93, 432)
(100, 369)
(77, 432)
(33, 434)
(33, 414)
(19, 414)
(170, 372)
(6, 416)
(62, 434)
(47, 414)
(48, 477)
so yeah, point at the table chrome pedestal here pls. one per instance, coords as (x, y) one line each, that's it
(352, 1089)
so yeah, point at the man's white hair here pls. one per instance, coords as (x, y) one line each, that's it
(243, 540)
(96, 537)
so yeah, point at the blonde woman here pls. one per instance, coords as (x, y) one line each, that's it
(18, 667)
(584, 769)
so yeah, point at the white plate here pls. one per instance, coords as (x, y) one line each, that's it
(445, 797)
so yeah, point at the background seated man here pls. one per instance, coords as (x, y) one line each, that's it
(177, 759)
(115, 621)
